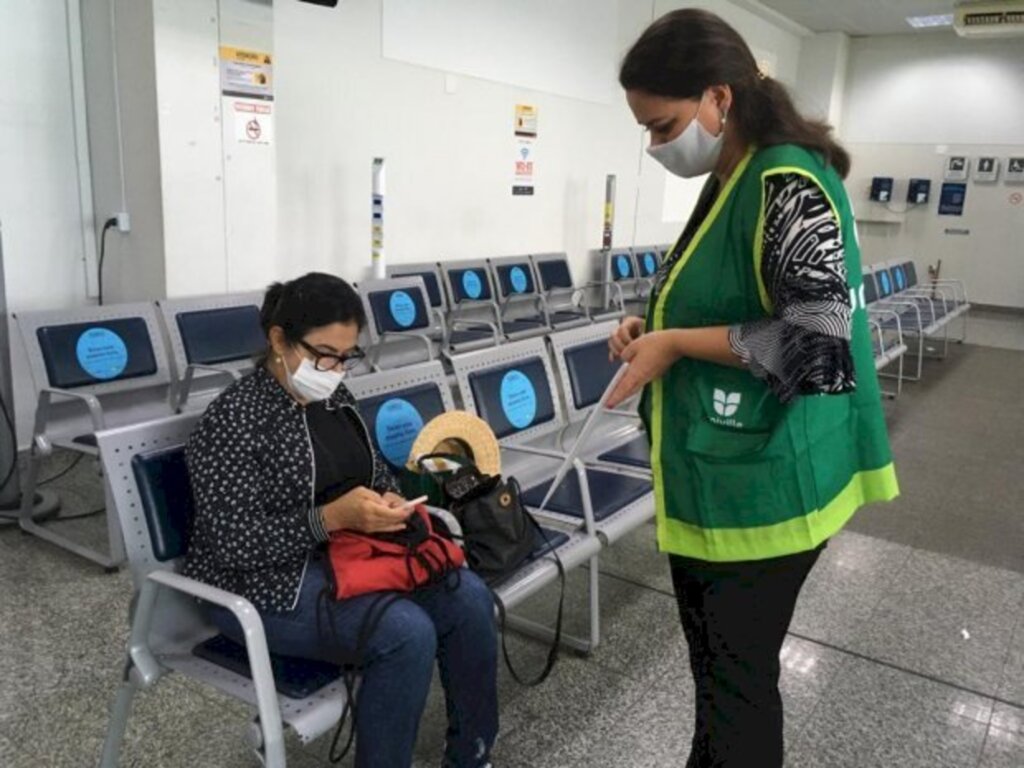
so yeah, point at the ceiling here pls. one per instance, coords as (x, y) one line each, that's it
(859, 17)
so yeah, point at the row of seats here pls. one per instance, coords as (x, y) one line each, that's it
(901, 309)
(533, 393)
(98, 367)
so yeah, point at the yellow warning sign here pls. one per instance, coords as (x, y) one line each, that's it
(245, 72)
(526, 120)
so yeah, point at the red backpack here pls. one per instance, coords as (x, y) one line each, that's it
(392, 562)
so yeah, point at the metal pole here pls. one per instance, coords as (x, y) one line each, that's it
(377, 228)
(609, 212)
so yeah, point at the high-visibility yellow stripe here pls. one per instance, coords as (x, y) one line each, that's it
(659, 323)
(798, 534)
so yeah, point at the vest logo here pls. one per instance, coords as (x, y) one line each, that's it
(726, 403)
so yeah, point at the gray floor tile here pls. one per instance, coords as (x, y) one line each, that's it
(851, 578)
(1008, 718)
(546, 724)
(808, 669)
(1003, 749)
(1011, 687)
(876, 716)
(947, 618)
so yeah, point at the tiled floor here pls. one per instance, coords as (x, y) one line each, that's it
(906, 650)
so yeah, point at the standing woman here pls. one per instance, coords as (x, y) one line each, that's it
(760, 392)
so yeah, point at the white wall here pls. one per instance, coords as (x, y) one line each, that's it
(39, 199)
(40, 208)
(912, 100)
(450, 155)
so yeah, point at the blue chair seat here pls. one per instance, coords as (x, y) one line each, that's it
(465, 336)
(295, 678)
(635, 453)
(609, 492)
(520, 324)
(554, 540)
(561, 318)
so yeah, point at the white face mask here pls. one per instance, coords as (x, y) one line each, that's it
(693, 152)
(310, 384)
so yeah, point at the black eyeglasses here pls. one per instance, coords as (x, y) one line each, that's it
(327, 361)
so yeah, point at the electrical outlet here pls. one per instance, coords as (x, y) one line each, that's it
(124, 222)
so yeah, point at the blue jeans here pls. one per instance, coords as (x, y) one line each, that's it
(456, 627)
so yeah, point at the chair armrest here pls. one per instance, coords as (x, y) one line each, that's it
(252, 631)
(471, 324)
(46, 394)
(387, 336)
(185, 388)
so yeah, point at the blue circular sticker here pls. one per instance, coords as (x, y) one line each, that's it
(622, 265)
(886, 284)
(398, 425)
(650, 263)
(901, 281)
(517, 277)
(471, 284)
(518, 399)
(101, 353)
(403, 309)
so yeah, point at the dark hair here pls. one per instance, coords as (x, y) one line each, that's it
(311, 301)
(685, 52)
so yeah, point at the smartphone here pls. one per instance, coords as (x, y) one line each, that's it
(412, 503)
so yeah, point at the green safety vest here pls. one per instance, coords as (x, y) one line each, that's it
(738, 475)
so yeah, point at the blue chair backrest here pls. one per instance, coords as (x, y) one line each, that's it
(899, 277)
(515, 279)
(622, 266)
(82, 354)
(212, 336)
(513, 397)
(554, 274)
(395, 419)
(884, 282)
(648, 262)
(166, 494)
(430, 281)
(589, 371)
(910, 269)
(400, 309)
(469, 284)
(870, 292)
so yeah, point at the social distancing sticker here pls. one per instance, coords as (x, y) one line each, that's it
(518, 399)
(101, 353)
(398, 424)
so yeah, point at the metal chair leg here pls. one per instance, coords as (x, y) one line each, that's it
(119, 713)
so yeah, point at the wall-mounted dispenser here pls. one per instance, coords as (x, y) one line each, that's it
(881, 189)
(918, 190)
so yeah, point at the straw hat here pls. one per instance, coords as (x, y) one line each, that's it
(462, 433)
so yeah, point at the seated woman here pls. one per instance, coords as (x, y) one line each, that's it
(280, 460)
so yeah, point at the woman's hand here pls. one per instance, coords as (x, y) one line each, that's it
(649, 356)
(629, 329)
(366, 511)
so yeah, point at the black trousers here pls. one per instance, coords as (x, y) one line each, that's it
(735, 617)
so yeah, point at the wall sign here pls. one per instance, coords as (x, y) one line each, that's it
(1015, 170)
(987, 169)
(951, 201)
(957, 167)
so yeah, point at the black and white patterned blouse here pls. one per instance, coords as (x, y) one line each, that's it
(251, 464)
(804, 347)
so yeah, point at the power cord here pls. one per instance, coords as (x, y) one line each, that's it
(9, 422)
(107, 226)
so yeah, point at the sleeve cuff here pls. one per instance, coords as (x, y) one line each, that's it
(316, 524)
(737, 345)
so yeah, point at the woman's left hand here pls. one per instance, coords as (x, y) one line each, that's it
(392, 499)
(649, 356)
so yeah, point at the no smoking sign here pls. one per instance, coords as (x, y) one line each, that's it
(254, 123)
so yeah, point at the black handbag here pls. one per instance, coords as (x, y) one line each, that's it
(499, 535)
